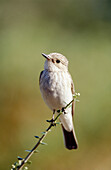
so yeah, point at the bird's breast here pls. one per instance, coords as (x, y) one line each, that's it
(56, 89)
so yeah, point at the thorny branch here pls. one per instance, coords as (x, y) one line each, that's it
(21, 162)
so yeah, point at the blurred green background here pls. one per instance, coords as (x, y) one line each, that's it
(81, 30)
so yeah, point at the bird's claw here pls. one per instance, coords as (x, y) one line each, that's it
(50, 121)
(63, 110)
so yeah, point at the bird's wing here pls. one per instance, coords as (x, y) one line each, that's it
(40, 75)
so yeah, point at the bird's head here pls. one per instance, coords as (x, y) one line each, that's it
(55, 62)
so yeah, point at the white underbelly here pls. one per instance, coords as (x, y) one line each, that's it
(56, 90)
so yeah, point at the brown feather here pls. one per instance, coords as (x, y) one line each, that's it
(40, 76)
(70, 139)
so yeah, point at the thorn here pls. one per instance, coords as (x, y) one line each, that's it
(43, 133)
(48, 121)
(42, 143)
(28, 150)
(58, 123)
(36, 136)
(19, 158)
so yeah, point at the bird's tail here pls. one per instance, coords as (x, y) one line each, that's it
(70, 139)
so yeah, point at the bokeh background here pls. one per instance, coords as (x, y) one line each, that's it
(81, 30)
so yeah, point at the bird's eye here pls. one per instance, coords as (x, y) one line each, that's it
(57, 61)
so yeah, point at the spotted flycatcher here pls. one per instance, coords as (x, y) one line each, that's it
(57, 89)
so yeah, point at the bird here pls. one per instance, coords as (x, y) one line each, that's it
(57, 90)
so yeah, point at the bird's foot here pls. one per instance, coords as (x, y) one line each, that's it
(63, 110)
(50, 121)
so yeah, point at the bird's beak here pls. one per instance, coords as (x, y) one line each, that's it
(46, 56)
